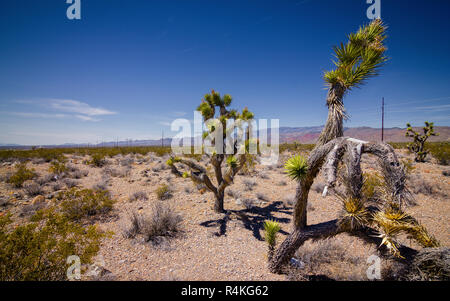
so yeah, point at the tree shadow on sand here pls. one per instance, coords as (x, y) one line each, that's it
(252, 219)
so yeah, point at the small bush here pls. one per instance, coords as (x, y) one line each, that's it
(39, 250)
(21, 175)
(318, 187)
(162, 222)
(440, 151)
(32, 188)
(97, 160)
(418, 185)
(249, 184)
(57, 167)
(70, 183)
(262, 197)
(139, 195)
(163, 192)
(77, 204)
(248, 203)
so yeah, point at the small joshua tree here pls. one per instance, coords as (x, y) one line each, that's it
(271, 228)
(235, 159)
(418, 145)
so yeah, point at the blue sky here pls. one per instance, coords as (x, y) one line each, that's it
(128, 68)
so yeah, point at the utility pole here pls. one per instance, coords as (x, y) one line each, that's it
(162, 138)
(382, 119)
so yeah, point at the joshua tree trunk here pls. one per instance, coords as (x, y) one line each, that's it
(334, 126)
(218, 204)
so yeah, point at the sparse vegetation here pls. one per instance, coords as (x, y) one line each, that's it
(21, 175)
(138, 196)
(77, 204)
(161, 222)
(38, 250)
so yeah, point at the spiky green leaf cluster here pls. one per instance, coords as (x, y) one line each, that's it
(296, 167)
(271, 228)
(360, 58)
(232, 161)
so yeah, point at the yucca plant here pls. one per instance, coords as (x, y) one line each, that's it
(271, 228)
(354, 213)
(296, 167)
(356, 61)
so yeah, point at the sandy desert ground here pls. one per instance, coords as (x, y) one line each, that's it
(227, 246)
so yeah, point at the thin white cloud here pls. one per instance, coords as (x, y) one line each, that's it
(37, 115)
(64, 108)
(75, 106)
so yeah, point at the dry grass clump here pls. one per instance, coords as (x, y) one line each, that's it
(117, 172)
(248, 203)
(138, 196)
(262, 197)
(249, 184)
(418, 185)
(70, 183)
(32, 188)
(161, 222)
(327, 259)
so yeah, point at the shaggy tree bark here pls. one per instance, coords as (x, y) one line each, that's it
(331, 154)
(334, 127)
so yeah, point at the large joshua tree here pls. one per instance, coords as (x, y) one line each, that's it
(215, 111)
(357, 60)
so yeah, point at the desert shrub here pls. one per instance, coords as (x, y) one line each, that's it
(102, 185)
(77, 204)
(262, 197)
(315, 260)
(32, 188)
(418, 185)
(97, 160)
(39, 250)
(57, 186)
(163, 192)
(249, 184)
(440, 151)
(233, 193)
(70, 183)
(289, 200)
(127, 161)
(57, 167)
(117, 172)
(71, 168)
(295, 147)
(77, 174)
(161, 222)
(187, 189)
(139, 195)
(21, 175)
(248, 203)
(446, 173)
(264, 176)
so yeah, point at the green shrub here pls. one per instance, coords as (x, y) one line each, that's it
(98, 160)
(21, 175)
(163, 192)
(57, 167)
(77, 204)
(440, 151)
(39, 250)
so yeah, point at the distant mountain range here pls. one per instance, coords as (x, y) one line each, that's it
(287, 134)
